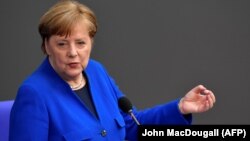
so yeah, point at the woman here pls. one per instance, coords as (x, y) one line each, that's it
(72, 97)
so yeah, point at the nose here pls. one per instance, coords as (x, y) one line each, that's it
(72, 51)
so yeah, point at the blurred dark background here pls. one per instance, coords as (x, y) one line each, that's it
(155, 50)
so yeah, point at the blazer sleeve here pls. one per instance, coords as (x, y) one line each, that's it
(29, 117)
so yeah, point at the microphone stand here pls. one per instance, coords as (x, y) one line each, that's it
(133, 116)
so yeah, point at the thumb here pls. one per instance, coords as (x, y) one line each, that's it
(198, 89)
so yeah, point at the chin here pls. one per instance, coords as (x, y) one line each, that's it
(74, 74)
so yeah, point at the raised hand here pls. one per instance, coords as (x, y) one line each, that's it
(197, 100)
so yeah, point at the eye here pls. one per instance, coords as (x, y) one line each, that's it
(81, 43)
(61, 44)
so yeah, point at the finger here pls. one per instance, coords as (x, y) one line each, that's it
(203, 98)
(205, 106)
(208, 105)
(213, 97)
(210, 101)
(210, 93)
(198, 89)
(205, 92)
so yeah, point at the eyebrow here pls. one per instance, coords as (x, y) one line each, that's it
(77, 40)
(80, 40)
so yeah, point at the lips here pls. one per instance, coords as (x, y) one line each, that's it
(73, 65)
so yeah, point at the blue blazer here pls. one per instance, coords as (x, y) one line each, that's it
(46, 109)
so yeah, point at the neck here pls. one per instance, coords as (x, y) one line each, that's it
(78, 85)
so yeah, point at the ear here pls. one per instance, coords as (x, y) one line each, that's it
(92, 42)
(46, 46)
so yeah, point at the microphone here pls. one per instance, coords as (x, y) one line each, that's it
(126, 107)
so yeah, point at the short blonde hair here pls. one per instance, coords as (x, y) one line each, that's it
(61, 18)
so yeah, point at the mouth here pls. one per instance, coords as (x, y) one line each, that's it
(73, 65)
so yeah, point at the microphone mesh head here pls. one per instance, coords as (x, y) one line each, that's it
(125, 104)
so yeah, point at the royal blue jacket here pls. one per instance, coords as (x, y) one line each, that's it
(46, 109)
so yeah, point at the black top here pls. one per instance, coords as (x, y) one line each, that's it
(84, 94)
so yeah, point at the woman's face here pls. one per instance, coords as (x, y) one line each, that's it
(69, 55)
